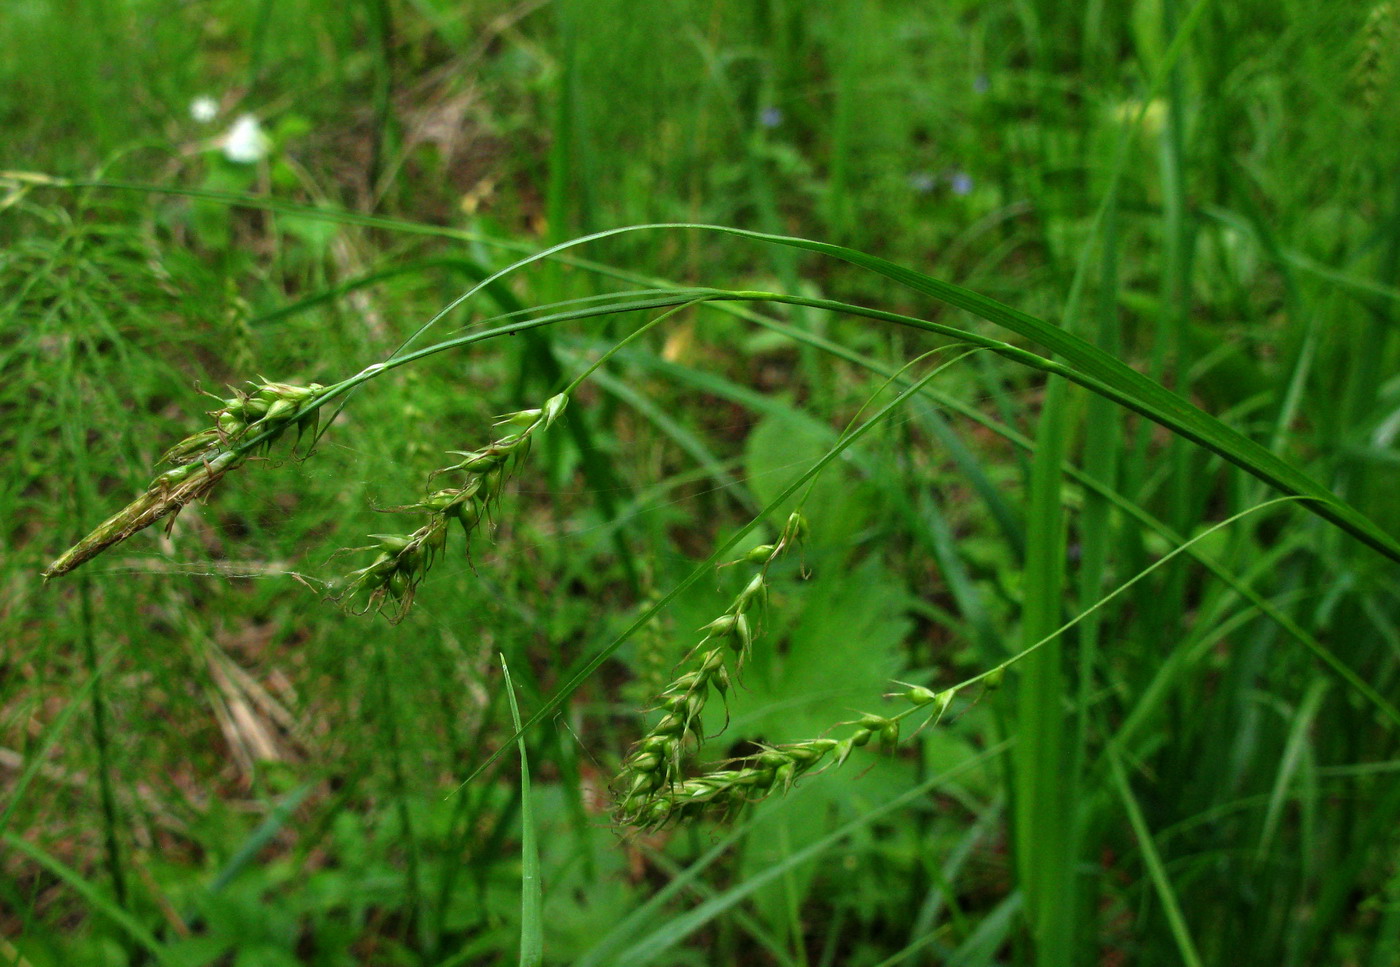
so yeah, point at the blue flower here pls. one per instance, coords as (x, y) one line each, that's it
(960, 182)
(770, 117)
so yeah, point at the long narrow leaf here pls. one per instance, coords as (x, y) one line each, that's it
(531, 887)
(95, 898)
(683, 926)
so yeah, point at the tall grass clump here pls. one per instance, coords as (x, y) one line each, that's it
(656, 786)
(529, 589)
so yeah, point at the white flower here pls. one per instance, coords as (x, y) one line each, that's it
(245, 142)
(204, 109)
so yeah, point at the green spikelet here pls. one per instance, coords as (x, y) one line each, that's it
(248, 420)
(237, 324)
(652, 786)
(651, 666)
(401, 561)
(1375, 66)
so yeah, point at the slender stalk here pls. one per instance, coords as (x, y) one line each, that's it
(417, 921)
(996, 671)
(101, 740)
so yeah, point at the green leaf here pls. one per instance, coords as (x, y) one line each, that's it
(777, 451)
(531, 888)
(836, 661)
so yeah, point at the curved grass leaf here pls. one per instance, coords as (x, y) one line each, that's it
(1115, 378)
(1126, 385)
(95, 897)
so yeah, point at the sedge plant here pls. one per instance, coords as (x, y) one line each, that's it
(660, 784)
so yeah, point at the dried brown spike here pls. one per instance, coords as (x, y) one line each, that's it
(168, 494)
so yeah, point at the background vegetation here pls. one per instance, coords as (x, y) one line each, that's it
(205, 762)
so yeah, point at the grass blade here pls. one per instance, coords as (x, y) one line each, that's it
(1044, 820)
(646, 949)
(531, 888)
(1180, 931)
(1122, 383)
(261, 836)
(94, 897)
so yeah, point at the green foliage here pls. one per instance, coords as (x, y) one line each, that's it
(205, 762)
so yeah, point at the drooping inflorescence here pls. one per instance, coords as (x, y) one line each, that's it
(656, 765)
(200, 461)
(720, 793)
(653, 788)
(402, 560)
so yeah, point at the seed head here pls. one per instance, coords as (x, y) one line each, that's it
(649, 804)
(917, 695)
(199, 461)
(484, 473)
(796, 528)
(757, 555)
(522, 418)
